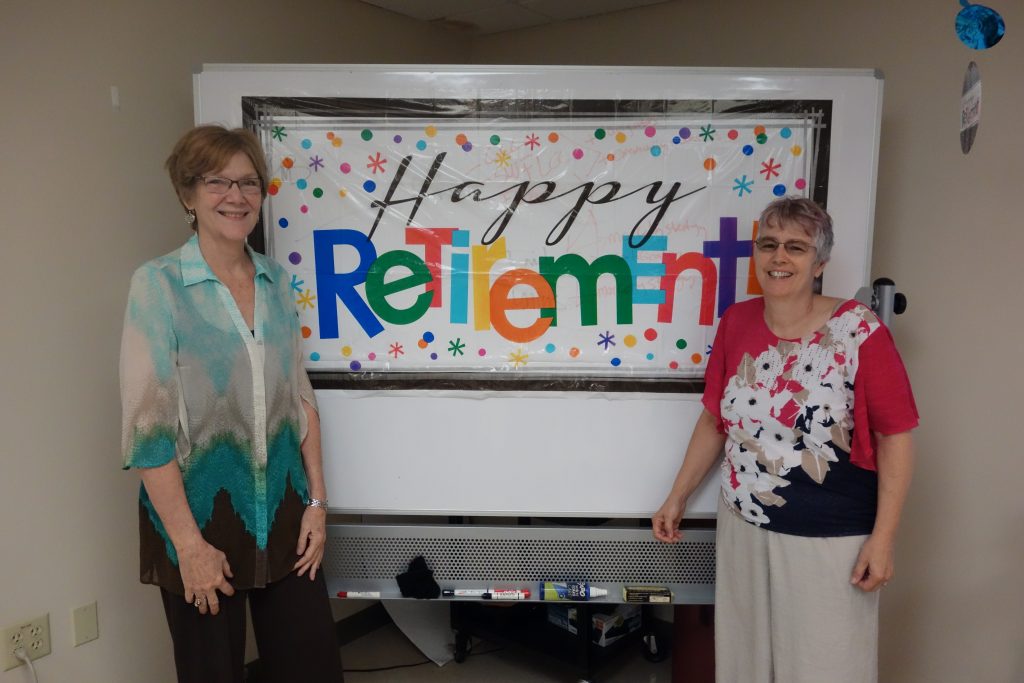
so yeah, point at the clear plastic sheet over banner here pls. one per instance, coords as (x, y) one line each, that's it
(497, 238)
(533, 237)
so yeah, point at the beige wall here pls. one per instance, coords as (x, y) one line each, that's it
(946, 230)
(84, 202)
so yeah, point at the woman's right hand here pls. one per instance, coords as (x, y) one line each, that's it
(204, 571)
(665, 522)
(703, 451)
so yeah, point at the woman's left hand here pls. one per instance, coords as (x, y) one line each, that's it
(312, 537)
(875, 565)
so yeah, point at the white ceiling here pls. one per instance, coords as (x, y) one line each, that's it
(479, 17)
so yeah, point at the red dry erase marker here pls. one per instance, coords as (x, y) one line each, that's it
(372, 595)
(511, 594)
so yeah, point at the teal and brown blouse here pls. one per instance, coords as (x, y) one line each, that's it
(225, 402)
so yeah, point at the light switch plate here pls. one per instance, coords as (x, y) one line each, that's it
(85, 624)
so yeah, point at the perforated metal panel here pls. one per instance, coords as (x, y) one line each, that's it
(362, 556)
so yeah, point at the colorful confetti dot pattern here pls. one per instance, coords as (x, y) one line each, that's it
(329, 176)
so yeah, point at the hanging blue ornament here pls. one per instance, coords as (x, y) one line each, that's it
(979, 27)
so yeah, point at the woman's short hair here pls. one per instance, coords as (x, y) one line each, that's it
(808, 215)
(206, 149)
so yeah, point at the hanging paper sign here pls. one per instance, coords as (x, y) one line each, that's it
(970, 107)
(550, 236)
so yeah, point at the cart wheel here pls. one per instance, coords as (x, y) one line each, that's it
(461, 646)
(652, 651)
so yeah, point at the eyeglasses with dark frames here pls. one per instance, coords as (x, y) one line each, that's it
(768, 245)
(217, 185)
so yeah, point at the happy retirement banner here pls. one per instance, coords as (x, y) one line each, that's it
(579, 238)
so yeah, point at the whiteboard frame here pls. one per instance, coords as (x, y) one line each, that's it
(354, 440)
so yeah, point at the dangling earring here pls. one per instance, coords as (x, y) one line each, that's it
(190, 216)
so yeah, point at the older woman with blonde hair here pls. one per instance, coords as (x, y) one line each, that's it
(220, 420)
(811, 402)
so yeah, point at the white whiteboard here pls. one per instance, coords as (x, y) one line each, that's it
(538, 453)
(548, 453)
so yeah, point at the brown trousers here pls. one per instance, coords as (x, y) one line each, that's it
(294, 634)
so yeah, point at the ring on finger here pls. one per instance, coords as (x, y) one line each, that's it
(198, 603)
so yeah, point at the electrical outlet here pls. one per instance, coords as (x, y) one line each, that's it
(32, 635)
